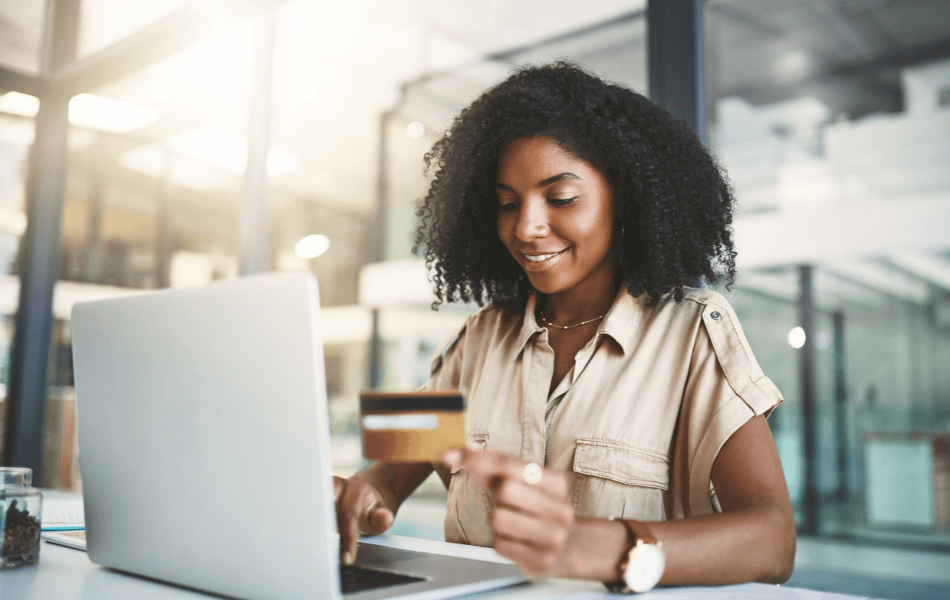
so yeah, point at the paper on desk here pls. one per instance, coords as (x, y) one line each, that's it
(745, 591)
(63, 513)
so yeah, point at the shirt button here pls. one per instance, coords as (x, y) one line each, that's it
(715, 315)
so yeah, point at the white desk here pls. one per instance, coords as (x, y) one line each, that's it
(66, 574)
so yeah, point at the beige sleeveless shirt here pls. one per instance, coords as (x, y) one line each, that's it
(637, 422)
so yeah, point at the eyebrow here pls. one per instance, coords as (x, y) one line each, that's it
(544, 182)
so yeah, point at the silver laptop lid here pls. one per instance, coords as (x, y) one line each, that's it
(203, 431)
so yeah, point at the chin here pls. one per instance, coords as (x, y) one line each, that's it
(547, 285)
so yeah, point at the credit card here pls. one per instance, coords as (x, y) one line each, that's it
(411, 426)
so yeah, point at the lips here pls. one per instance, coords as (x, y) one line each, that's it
(537, 258)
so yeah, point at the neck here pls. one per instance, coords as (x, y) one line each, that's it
(568, 308)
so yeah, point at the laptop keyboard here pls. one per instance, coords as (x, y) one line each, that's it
(358, 579)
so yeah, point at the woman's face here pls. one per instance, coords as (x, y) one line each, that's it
(556, 217)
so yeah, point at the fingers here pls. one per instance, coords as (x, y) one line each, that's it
(487, 468)
(538, 545)
(532, 563)
(532, 523)
(348, 525)
(360, 507)
(347, 520)
(535, 531)
(376, 520)
(536, 541)
(528, 499)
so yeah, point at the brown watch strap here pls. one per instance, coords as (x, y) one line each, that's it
(638, 530)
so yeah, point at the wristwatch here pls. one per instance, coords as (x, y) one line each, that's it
(643, 566)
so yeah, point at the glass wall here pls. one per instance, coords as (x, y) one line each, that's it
(153, 196)
(833, 122)
(893, 463)
(16, 138)
(21, 27)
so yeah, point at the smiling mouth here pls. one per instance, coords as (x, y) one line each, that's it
(542, 257)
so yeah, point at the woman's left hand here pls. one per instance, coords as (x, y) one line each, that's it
(532, 521)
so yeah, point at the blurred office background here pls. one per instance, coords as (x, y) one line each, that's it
(208, 139)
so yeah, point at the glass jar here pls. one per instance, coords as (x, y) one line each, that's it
(21, 508)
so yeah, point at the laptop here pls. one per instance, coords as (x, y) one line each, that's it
(205, 452)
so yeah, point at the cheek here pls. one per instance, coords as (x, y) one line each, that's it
(587, 230)
(505, 229)
(592, 236)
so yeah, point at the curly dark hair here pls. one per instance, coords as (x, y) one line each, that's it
(672, 201)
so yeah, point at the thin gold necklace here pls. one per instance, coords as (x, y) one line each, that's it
(550, 324)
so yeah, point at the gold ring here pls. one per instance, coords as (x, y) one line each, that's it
(532, 473)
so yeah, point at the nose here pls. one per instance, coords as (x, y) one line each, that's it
(532, 221)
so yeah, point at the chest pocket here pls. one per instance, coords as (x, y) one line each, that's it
(616, 480)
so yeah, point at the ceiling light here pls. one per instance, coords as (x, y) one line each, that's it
(80, 139)
(18, 131)
(159, 94)
(108, 114)
(312, 246)
(12, 221)
(214, 146)
(16, 103)
(792, 65)
(796, 337)
(415, 130)
(310, 93)
(151, 160)
(228, 151)
(281, 162)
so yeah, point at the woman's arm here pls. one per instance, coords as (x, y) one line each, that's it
(752, 540)
(368, 500)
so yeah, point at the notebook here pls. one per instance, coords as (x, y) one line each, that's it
(203, 432)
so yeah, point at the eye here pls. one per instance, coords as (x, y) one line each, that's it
(562, 201)
(508, 207)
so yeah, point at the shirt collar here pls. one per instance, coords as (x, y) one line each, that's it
(622, 319)
(529, 325)
(620, 323)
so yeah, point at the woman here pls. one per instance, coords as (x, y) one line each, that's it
(582, 214)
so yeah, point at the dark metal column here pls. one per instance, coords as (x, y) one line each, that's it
(252, 239)
(163, 237)
(39, 252)
(675, 55)
(381, 221)
(91, 266)
(39, 267)
(841, 404)
(806, 374)
(378, 251)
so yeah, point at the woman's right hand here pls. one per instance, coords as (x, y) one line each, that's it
(359, 507)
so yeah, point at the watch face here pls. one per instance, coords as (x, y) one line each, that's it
(645, 567)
